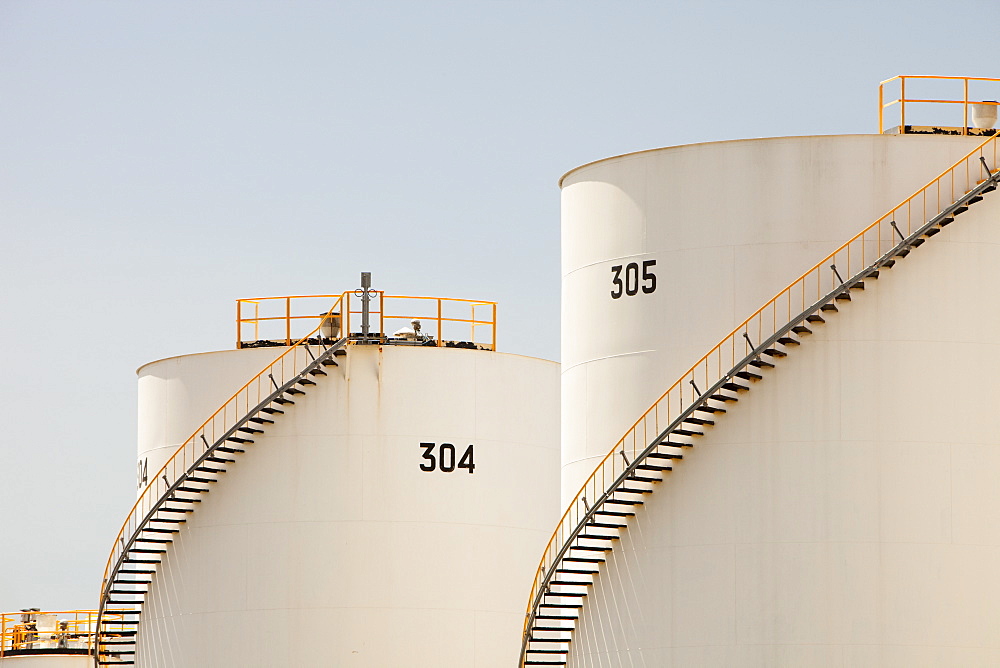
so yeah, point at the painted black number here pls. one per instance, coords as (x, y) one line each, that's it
(648, 277)
(467, 462)
(631, 279)
(616, 281)
(445, 460)
(143, 472)
(447, 457)
(630, 286)
(428, 447)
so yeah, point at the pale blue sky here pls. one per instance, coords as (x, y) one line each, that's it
(158, 160)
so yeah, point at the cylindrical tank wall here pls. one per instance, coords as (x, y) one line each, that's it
(665, 251)
(47, 661)
(846, 511)
(177, 394)
(341, 539)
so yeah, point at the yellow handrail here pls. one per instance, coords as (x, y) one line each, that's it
(75, 629)
(902, 100)
(853, 256)
(283, 368)
(385, 307)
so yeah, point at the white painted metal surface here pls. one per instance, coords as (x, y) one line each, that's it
(47, 661)
(177, 394)
(327, 544)
(845, 511)
(728, 225)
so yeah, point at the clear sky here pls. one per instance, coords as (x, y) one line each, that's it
(159, 160)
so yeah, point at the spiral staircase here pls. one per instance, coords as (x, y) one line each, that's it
(592, 525)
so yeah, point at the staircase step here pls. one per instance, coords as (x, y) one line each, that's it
(735, 387)
(723, 397)
(607, 525)
(633, 490)
(888, 264)
(194, 479)
(761, 364)
(788, 341)
(589, 536)
(223, 448)
(688, 432)
(250, 430)
(208, 469)
(567, 594)
(844, 296)
(306, 381)
(199, 490)
(639, 478)
(815, 317)
(283, 401)
(260, 420)
(748, 375)
(860, 285)
(272, 411)
(622, 502)
(239, 439)
(575, 571)
(329, 362)
(916, 243)
(571, 618)
(705, 408)
(830, 307)
(931, 231)
(614, 513)
(586, 560)
(948, 221)
(295, 390)
(664, 455)
(589, 548)
(802, 329)
(654, 467)
(165, 509)
(960, 210)
(317, 372)
(154, 530)
(974, 199)
(872, 275)
(774, 352)
(220, 460)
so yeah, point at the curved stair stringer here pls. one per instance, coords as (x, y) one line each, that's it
(590, 528)
(151, 527)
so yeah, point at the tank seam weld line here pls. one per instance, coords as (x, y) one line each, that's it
(607, 357)
(696, 248)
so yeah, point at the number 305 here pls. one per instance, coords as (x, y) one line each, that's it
(444, 458)
(630, 285)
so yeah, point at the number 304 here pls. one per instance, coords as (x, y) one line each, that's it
(445, 458)
(629, 284)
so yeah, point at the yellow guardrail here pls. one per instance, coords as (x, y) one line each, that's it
(903, 100)
(275, 320)
(31, 631)
(853, 256)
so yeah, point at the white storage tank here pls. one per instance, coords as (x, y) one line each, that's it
(35, 638)
(389, 516)
(834, 501)
(665, 251)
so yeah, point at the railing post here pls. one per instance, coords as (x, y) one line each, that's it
(881, 108)
(288, 321)
(239, 328)
(440, 336)
(494, 326)
(902, 105)
(965, 107)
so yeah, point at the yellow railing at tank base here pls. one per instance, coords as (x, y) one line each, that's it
(284, 368)
(74, 629)
(902, 100)
(848, 260)
(284, 316)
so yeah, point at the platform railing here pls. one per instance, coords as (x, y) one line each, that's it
(263, 321)
(842, 267)
(902, 100)
(73, 630)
